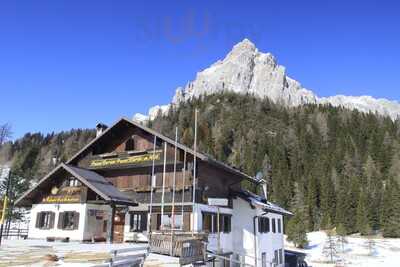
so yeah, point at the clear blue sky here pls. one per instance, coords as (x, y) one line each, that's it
(66, 64)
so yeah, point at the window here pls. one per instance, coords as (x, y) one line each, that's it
(207, 222)
(226, 220)
(68, 220)
(273, 226)
(280, 256)
(167, 221)
(138, 221)
(72, 182)
(276, 257)
(264, 259)
(104, 226)
(130, 144)
(45, 220)
(210, 222)
(279, 226)
(263, 224)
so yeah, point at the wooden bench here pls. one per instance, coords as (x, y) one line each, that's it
(127, 257)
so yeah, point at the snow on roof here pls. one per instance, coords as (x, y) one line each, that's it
(257, 200)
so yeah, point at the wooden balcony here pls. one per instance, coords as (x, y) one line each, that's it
(188, 247)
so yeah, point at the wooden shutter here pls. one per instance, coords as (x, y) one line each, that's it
(52, 217)
(76, 220)
(60, 220)
(186, 221)
(154, 221)
(143, 221)
(38, 216)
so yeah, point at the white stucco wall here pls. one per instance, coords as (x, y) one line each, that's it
(269, 242)
(243, 233)
(94, 227)
(88, 227)
(225, 238)
(135, 236)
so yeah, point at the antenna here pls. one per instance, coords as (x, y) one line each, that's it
(260, 179)
(259, 176)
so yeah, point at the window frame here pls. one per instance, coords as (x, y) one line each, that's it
(62, 220)
(225, 222)
(280, 255)
(273, 225)
(130, 144)
(45, 217)
(279, 222)
(141, 224)
(264, 225)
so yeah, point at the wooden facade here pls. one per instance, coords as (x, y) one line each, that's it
(123, 156)
(125, 139)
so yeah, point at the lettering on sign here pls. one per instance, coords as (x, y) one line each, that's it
(97, 163)
(66, 195)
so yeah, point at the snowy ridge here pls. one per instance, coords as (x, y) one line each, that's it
(245, 70)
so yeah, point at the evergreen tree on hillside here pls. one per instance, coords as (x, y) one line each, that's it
(320, 154)
(296, 231)
(391, 224)
(362, 214)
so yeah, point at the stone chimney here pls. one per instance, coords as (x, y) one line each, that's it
(100, 128)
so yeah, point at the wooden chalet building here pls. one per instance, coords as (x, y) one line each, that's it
(104, 193)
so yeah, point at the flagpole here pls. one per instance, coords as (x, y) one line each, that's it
(194, 168)
(153, 184)
(163, 186)
(6, 199)
(183, 183)
(173, 192)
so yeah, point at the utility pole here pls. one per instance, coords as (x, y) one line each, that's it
(6, 199)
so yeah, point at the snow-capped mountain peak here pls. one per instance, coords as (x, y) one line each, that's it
(245, 70)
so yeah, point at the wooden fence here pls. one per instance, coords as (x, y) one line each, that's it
(19, 233)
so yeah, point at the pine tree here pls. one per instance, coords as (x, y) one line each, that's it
(341, 236)
(329, 249)
(296, 232)
(362, 214)
(391, 225)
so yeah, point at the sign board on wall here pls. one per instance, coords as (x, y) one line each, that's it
(217, 201)
(70, 194)
(127, 160)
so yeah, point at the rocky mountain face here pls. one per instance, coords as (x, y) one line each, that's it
(245, 70)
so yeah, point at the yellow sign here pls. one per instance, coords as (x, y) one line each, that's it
(65, 195)
(125, 161)
(3, 215)
(61, 199)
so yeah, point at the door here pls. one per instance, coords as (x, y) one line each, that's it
(119, 223)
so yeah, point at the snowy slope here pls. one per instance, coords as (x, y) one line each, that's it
(385, 252)
(245, 70)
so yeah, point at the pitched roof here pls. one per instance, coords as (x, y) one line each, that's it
(202, 156)
(91, 179)
(100, 185)
(257, 200)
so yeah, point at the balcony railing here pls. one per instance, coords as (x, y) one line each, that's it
(188, 247)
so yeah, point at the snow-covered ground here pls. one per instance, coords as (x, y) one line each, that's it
(358, 251)
(33, 252)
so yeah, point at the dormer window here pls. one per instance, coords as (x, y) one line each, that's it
(72, 182)
(130, 144)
